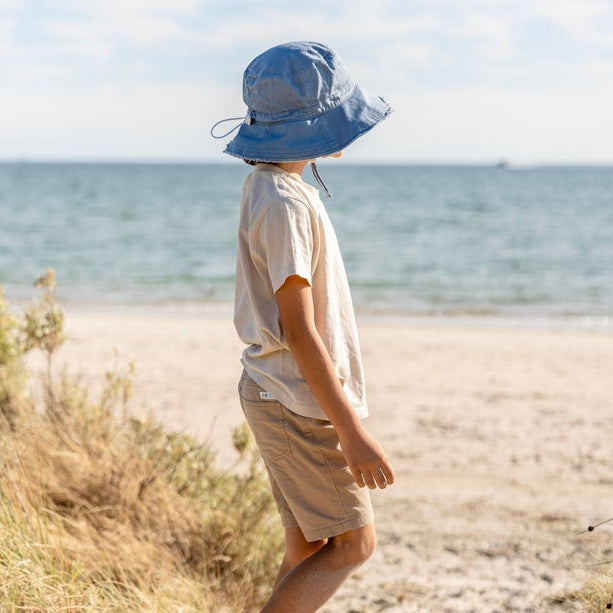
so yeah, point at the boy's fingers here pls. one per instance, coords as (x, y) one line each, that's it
(379, 477)
(357, 477)
(370, 481)
(371, 478)
(374, 475)
(388, 472)
(364, 478)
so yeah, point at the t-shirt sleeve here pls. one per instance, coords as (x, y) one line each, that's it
(287, 241)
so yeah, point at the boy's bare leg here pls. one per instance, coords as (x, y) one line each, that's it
(310, 584)
(297, 548)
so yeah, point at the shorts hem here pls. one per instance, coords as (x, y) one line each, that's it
(317, 534)
(289, 521)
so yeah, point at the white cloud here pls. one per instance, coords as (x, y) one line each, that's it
(80, 40)
(494, 34)
(100, 76)
(7, 47)
(137, 120)
(412, 55)
(107, 25)
(131, 8)
(587, 21)
(144, 31)
(487, 125)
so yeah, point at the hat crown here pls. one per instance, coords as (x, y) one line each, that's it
(295, 81)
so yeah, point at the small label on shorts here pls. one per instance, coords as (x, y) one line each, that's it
(267, 396)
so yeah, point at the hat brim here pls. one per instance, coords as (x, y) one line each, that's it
(323, 135)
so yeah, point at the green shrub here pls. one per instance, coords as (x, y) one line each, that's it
(102, 511)
(12, 372)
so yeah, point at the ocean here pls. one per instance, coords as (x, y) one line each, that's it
(479, 243)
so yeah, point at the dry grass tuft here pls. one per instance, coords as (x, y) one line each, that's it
(105, 512)
(597, 594)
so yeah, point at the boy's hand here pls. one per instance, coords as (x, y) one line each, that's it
(367, 460)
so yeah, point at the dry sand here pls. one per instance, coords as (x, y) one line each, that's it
(500, 440)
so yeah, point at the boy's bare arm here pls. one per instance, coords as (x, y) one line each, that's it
(365, 457)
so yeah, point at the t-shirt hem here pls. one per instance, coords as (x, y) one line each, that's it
(295, 407)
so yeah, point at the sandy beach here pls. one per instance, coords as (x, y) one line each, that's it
(500, 440)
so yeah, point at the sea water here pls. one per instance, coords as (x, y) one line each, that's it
(445, 241)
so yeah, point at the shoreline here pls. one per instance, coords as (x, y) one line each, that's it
(593, 322)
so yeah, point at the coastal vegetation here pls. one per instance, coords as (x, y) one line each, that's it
(103, 511)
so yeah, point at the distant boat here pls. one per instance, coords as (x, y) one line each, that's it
(501, 164)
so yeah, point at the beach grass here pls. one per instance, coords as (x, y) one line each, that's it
(597, 594)
(104, 511)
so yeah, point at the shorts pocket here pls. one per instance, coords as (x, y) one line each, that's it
(266, 418)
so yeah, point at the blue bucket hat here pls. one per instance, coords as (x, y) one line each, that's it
(301, 104)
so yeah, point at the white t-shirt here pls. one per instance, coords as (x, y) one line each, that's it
(285, 230)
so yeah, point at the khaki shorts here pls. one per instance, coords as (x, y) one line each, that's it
(311, 482)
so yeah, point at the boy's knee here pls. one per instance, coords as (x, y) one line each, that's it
(356, 546)
(366, 544)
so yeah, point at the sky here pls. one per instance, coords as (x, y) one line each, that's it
(525, 81)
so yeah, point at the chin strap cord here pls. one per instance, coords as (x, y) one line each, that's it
(240, 120)
(319, 180)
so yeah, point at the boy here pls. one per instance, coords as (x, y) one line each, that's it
(302, 388)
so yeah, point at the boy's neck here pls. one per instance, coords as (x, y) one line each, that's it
(293, 167)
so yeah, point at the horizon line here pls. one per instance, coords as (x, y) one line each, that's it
(497, 163)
